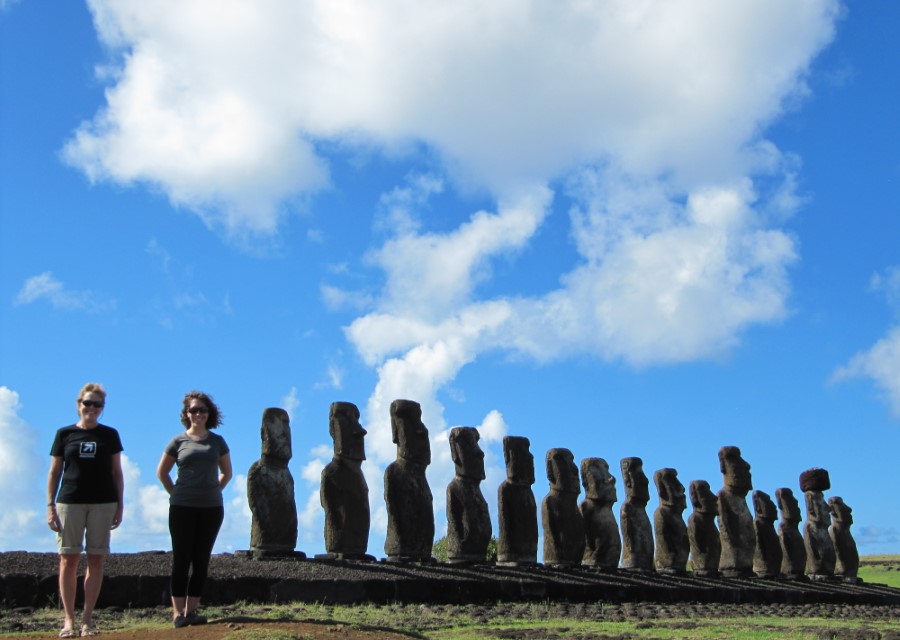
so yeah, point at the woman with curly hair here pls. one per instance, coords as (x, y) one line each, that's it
(196, 507)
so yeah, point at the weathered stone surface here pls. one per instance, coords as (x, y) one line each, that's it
(637, 533)
(517, 510)
(768, 556)
(410, 529)
(820, 557)
(603, 543)
(847, 564)
(270, 490)
(468, 519)
(343, 492)
(235, 578)
(672, 545)
(703, 534)
(793, 561)
(735, 522)
(562, 521)
(815, 479)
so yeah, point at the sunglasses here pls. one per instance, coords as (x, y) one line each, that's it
(92, 404)
(195, 410)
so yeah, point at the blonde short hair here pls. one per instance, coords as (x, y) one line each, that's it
(92, 387)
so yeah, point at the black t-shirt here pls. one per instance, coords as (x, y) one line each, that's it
(87, 464)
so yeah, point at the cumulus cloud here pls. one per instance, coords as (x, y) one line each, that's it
(881, 362)
(232, 121)
(45, 287)
(22, 517)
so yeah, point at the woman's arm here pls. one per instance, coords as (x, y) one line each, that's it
(119, 479)
(56, 468)
(163, 470)
(225, 470)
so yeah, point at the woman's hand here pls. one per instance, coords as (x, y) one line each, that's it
(53, 518)
(117, 519)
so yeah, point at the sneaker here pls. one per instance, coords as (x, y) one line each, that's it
(195, 618)
(180, 621)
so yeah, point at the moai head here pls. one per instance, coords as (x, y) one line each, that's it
(736, 471)
(840, 511)
(345, 430)
(519, 460)
(817, 511)
(408, 432)
(790, 508)
(276, 434)
(562, 472)
(703, 499)
(637, 486)
(670, 489)
(467, 455)
(763, 506)
(599, 484)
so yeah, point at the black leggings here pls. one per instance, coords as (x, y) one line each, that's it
(194, 531)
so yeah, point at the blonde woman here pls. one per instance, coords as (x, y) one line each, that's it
(84, 503)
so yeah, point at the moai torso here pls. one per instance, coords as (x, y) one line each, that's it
(517, 510)
(768, 556)
(847, 564)
(820, 558)
(793, 550)
(562, 521)
(703, 535)
(343, 492)
(736, 531)
(270, 490)
(468, 519)
(603, 544)
(672, 545)
(637, 533)
(410, 529)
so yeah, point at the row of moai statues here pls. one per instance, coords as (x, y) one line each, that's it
(584, 534)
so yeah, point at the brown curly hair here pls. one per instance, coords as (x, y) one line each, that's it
(215, 416)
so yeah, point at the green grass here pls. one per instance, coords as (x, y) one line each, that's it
(881, 569)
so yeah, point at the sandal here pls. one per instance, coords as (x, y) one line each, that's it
(67, 632)
(87, 631)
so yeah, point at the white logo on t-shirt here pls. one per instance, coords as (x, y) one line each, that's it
(88, 449)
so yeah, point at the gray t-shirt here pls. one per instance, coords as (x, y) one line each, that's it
(197, 484)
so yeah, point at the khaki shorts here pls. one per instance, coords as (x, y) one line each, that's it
(80, 522)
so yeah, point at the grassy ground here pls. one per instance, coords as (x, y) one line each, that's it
(882, 569)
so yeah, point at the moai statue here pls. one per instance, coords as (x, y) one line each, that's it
(706, 549)
(735, 522)
(270, 491)
(768, 556)
(603, 544)
(820, 558)
(637, 533)
(793, 561)
(847, 565)
(672, 545)
(468, 520)
(517, 510)
(410, 528)
(343, 492)
(562, 521)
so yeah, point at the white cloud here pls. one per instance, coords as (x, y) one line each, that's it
(223, 106)
(881, 364)
(22, 524)
(290, 402)
(45, 287)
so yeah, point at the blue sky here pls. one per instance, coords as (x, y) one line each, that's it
(626, 228)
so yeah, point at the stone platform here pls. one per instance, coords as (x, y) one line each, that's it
(142, 580)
